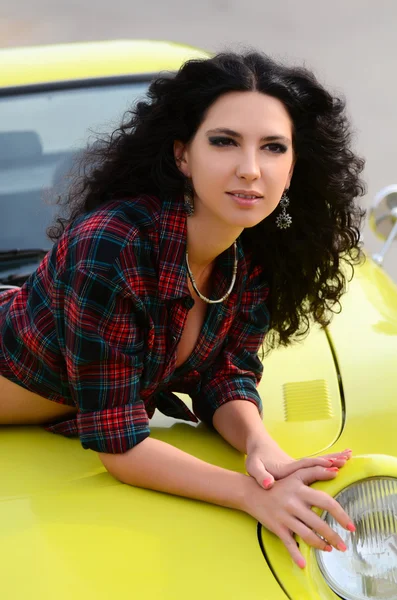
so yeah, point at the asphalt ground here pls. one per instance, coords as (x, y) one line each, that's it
(350, 44)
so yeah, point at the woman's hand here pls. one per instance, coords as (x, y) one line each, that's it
(266, 462)
(286, 509)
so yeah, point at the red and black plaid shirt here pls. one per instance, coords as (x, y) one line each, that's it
(98, 323)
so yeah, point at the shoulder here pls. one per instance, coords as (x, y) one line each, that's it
(94, 241)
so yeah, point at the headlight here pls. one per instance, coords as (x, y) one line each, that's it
(368, 569)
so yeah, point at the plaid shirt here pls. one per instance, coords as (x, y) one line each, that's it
(97, 326)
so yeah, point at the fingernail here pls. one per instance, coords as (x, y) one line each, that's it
(333, 469)
(347, 450)
(267, 483)
(341, 546)
(328, 548)
(301, 563)
(350, 527)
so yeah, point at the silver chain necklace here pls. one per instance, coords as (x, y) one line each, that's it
(199, 294)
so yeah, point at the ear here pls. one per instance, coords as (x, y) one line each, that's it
(180, 155)
(291, 172)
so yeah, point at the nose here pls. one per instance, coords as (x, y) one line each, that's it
(248, 167)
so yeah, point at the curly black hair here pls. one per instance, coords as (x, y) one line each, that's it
(305, 265)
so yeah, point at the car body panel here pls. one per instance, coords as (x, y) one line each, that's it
(74, 531)
(86, 60)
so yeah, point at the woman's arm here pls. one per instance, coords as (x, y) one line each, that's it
(156, 465)
(240, 424)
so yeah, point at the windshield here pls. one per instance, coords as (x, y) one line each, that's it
(40, 134)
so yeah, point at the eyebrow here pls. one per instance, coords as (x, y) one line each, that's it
(268, 138)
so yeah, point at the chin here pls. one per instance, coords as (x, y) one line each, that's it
(248, 221)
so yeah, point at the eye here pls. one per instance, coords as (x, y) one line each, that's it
(221, 141)
(276, 148)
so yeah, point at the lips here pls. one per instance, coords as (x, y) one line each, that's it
(245, 194)
(245, 200)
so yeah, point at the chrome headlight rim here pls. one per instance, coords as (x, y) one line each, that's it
(371, 524)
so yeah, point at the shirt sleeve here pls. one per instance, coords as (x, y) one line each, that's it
(103, 347)
(237, 370)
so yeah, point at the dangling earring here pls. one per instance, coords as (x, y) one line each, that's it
(284, 220)
(188, 196)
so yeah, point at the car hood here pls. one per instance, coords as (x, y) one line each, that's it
(69, 529)
(68, 525)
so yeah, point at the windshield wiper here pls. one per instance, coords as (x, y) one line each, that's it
(22, 254)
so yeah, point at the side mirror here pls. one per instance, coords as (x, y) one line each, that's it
(383, 219)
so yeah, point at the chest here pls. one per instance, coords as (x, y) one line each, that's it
(183, 333)
(191, 331)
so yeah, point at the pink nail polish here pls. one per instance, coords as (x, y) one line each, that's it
(328, 548)
(332, 469)
(301, 563)
(341, 546)
(350, 527)
(267, 483)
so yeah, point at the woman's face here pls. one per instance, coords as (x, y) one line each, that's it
(243, 146)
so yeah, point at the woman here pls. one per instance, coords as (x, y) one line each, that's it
(219, 212)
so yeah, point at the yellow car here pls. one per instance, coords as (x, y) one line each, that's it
(68, 529)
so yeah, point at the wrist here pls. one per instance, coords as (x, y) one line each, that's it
(249, 489)
(238, 421)
(260, 439)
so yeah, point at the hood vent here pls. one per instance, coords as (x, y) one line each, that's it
(307, 401)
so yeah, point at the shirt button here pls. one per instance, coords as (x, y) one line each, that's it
(174, 338)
